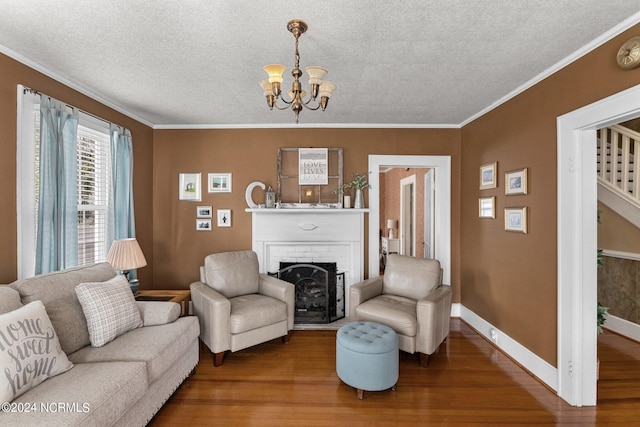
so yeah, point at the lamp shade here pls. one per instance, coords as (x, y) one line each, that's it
(266, 87)
(125, 255)
(274, 71)
(326, 88)
(392, 223)
(315, 74)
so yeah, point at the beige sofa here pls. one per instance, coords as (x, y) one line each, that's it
(123, 383)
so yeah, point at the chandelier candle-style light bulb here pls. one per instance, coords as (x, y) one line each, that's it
(317, 87)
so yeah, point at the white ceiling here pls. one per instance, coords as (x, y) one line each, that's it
(187, 63)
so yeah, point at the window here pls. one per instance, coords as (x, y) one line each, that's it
(93, 186)
(94, 175)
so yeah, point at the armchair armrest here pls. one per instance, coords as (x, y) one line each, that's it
(280, 290)
(434, 315)
(158, 312)
(213, 311)
(363, 291)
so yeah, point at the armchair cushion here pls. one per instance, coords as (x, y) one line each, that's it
(411, 277)
(254, 311)
(395, 311)
(232, 273)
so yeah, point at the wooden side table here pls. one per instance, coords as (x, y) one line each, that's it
(182, 297)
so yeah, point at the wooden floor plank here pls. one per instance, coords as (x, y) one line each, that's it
(469, 382)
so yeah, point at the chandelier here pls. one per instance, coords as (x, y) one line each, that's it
(296, 102)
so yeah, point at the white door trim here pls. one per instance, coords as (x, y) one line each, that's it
(442, 171)
(577, 241)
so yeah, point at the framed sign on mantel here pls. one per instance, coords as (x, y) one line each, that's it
(309, 175)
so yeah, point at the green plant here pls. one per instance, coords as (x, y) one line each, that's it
(358, 182)
(602, 310)
(602, 316)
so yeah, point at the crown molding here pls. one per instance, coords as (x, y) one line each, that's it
(597, 42)
(313, 126)
(29, 63)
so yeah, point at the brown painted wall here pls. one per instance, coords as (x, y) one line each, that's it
(13, 73)
(251, 155)
(510, 279)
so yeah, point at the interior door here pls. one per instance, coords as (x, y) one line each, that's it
(408, 216)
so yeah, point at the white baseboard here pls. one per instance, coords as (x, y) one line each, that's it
(525, 357)
(623, 327)
(455, 309)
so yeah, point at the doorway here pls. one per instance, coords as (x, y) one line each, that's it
(441, 206)
(577, 241)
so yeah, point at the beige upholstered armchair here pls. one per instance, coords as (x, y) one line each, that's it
(237, 307)
(411, 299)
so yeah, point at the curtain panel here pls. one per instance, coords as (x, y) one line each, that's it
(57, 233)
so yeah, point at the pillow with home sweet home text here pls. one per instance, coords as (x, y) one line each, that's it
(29, 350)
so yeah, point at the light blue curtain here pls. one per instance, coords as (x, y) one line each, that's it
(121, 218)
(57, 235)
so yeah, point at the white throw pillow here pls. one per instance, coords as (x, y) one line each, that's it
(29, 350)
(110, 309)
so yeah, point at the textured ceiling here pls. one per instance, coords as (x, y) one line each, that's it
(198, 63)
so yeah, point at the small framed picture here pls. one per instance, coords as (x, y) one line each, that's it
(488, 176)
(515, 182)
(487, 207)
(190, 187)
(515, 219)
(203, 211)
(224, 217)
(203, 224)
(219, 183)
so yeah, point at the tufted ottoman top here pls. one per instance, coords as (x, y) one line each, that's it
(367, 337)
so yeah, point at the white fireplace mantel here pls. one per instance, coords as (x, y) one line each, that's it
(310, 235)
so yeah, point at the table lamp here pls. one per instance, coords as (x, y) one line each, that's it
(126, 255)
(391, 225)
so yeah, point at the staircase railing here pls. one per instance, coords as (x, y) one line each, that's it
(618, 160)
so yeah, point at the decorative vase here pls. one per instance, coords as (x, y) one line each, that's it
(359, 202)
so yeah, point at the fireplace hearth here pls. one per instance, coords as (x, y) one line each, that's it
(319, 291)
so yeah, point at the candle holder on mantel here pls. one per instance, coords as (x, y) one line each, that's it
(270, 198)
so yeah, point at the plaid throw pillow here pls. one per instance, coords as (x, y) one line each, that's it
(110, 309)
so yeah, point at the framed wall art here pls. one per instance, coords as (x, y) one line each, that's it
(203, 224)
(515, 219)
(219, 183)
(203, 212)
(489, 176)
(487, 207)
(190, 187)
(224, 217)
(515, 182)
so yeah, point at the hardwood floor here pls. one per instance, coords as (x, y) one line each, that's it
(469, 382)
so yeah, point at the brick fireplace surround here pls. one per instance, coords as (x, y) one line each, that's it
(311, 235)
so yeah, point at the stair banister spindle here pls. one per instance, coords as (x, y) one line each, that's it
(615, 152)
(636, 169)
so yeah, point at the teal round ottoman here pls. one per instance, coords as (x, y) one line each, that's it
(367, 356)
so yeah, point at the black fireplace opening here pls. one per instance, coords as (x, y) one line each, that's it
(319, 291)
